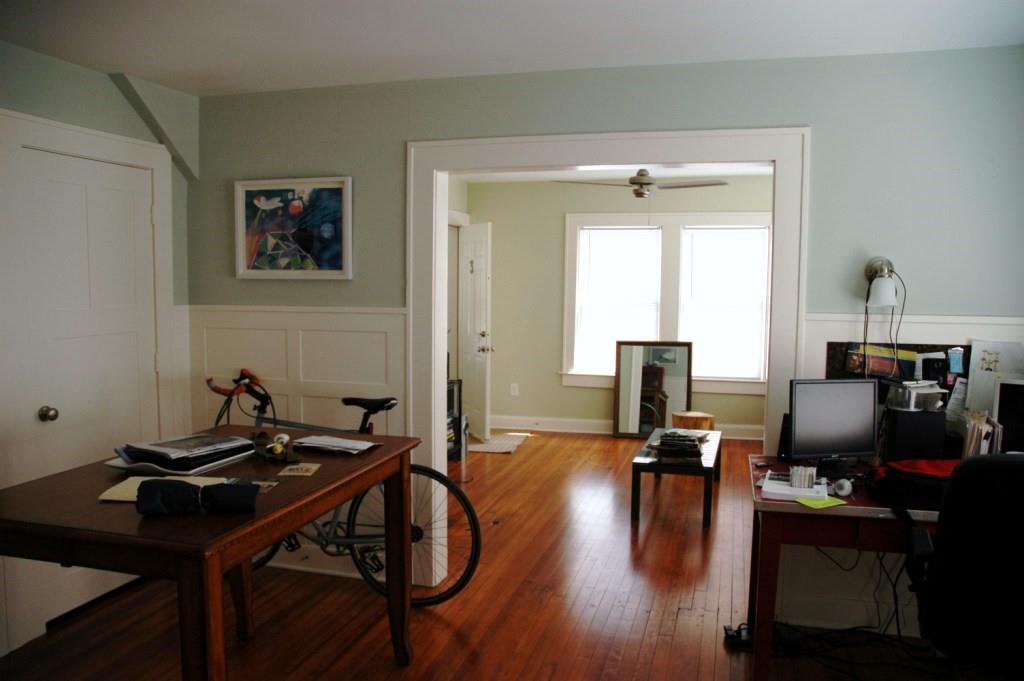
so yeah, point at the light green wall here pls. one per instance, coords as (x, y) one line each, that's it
(42, 86)
(527, 287)
(916, 156)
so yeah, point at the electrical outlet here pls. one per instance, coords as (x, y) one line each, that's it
(515, 390)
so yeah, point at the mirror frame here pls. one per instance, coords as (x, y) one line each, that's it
(618, 361)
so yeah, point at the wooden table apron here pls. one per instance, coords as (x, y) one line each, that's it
(199, 567)
(861, 525)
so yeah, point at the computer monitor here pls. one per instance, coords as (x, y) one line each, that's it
(1008, 410)
(832, 421)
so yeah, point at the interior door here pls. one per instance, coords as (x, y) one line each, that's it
(78, 337)
(475, 346)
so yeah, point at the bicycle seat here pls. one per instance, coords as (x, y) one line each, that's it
(371, 405)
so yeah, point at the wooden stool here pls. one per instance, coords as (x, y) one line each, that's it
(693, 420)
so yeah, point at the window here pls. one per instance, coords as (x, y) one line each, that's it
(723, 300)
(618, 293)
(697, 277)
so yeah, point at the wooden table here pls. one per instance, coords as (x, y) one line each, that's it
(708, 466)
(860, 524)
(59, 519)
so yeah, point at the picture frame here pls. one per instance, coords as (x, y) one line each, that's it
(662, 355)
(294, 228)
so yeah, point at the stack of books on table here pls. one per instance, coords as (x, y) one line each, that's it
(191, 454)
(678, 445)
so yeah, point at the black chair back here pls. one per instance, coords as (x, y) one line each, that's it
(974, 597)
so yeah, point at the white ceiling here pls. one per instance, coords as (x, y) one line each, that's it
(228, 46)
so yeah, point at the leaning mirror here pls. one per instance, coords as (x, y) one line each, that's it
(652, 380)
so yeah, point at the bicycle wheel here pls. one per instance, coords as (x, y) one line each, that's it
(445, 537)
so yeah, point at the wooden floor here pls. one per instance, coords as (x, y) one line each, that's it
(564, 591)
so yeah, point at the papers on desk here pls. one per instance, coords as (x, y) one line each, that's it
(128, 489)
(984, 435)
(199, 444)
(337, 445)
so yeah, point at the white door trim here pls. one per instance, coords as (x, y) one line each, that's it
(427, 219)
(172, 358)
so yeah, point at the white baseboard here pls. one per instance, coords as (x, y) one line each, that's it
(604, 426)
(552, 425)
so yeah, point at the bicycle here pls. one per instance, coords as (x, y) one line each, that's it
(447, 543)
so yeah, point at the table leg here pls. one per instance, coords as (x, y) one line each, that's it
(398, 563)
(765, 586)
(718, 465)
(634, 497)
(201, 619)
(708, 494)
(240, 580)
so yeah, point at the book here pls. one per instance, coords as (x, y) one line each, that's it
(188, 446)
(184, 466)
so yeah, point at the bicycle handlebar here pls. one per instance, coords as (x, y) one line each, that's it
(245, 379)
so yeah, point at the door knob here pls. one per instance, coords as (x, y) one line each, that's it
(46, 413)
(483, 334)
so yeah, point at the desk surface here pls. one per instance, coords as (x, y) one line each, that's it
(66, 504)
(859, 505)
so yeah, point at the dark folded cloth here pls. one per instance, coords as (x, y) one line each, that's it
(176, 497)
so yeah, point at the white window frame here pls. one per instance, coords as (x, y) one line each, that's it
(671, 226)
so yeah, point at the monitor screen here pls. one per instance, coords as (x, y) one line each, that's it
(1008, 410)
(833, 418)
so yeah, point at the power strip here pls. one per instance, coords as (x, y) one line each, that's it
(738, 637)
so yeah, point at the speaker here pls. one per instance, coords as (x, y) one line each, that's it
(914, 435)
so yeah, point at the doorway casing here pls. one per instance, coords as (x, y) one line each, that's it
(428, 167)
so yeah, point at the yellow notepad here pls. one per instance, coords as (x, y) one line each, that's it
(827, 502)
(128, 489)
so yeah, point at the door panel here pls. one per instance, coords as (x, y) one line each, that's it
(79, 335)
(475, 342)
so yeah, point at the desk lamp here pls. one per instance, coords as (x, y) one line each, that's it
(882, 286)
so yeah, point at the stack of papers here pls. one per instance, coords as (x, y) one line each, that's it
(338, 445)
(190, 454)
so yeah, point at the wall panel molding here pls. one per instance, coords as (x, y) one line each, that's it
(356, 352)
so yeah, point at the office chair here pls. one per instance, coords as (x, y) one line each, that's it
(969, 584)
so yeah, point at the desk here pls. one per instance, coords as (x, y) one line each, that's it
(60, 520)
(708, 466)
(860, 524)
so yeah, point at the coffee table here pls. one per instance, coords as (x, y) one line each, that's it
(707, 466)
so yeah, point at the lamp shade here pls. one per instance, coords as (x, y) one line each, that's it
(882, 292)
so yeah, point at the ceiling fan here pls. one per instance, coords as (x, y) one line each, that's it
(643, 184)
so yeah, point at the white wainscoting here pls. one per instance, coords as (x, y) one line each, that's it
(813, 591)
(307, 358)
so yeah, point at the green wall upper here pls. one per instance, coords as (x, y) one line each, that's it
(527, 282)
(918, 157)
(42, 86)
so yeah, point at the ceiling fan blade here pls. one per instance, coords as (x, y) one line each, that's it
(691, 184)
(599, 184)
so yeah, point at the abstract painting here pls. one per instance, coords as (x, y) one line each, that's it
(294, 229)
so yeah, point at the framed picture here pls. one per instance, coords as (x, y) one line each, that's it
(294, 228)
(664, 355)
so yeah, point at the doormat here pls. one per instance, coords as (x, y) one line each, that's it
(505, 443)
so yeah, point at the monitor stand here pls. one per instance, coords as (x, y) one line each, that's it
(836, 467)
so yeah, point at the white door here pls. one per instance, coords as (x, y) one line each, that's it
(76, 271)
(475, 346)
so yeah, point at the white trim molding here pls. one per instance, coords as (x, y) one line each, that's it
(430, 162)
(822, 328)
